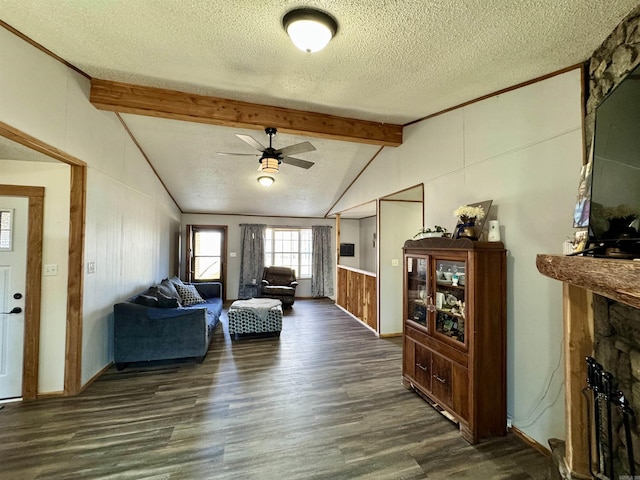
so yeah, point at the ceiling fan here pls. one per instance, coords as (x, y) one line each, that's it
(271, 158)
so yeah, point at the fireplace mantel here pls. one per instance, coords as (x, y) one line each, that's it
(612, 278)
(582, 276)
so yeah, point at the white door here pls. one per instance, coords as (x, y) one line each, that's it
(13, 265)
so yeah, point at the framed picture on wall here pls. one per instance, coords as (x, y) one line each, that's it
(583, 201)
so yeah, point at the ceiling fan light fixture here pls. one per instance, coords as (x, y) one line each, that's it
(310, 30)
(269, 165)
(266, 181)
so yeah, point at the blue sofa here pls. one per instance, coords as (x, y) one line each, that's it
(156, 325)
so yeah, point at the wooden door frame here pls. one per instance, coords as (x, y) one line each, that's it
(188, 248)
(75, 281)
(33, 284)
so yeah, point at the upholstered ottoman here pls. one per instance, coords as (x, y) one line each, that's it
(256, 315)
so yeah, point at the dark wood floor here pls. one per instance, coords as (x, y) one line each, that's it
(323, 401)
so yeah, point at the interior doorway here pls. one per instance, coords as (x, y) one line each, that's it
(19, 145)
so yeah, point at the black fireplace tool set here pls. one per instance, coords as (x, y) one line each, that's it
(604, 401)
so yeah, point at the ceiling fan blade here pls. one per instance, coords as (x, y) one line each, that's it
(297, 148)
(240, 154)
(251, 141)
(297, 162)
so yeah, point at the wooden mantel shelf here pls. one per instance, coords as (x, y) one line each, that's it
(615, 279)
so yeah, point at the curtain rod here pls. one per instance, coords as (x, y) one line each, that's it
(285, 226)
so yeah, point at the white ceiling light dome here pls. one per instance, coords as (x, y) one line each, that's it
(310, 30)
(266, 181)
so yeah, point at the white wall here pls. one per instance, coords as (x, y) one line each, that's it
(350, 233)
(131, 221)
(233, 241)
(398, 222)
(368, 252)
(523, 150)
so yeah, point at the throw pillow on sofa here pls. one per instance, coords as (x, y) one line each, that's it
(167, 302)
(146, 300)
(189, 295)
(167, 287)
(162, 300)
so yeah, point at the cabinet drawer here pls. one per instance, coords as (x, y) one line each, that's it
(423, 367)
(441, 379)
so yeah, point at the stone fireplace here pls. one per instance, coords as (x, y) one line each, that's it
(617, 349)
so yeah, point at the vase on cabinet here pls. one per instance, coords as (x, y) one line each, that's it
(467, 228)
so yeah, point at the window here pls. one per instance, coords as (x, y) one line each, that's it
(289, 247)
(6, 229)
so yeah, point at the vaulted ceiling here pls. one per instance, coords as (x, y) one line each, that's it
(392, 62)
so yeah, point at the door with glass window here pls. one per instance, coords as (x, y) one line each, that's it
(13, 268)
(206, 252)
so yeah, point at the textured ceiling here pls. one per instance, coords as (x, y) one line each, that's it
(392, 61)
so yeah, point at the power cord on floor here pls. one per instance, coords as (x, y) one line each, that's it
(543, 395)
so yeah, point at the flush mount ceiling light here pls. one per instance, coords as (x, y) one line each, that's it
(266, 181)
(310, 30)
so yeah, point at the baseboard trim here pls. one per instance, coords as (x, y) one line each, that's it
(58, 394)
(530, 441)
(390, 335)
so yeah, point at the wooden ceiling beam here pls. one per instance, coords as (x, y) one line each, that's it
(172, 104)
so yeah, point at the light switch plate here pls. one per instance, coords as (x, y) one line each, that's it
(50, 269)
(395, 262)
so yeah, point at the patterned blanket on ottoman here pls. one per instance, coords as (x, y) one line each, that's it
(256, 315)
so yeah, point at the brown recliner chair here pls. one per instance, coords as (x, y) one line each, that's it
(279, 283)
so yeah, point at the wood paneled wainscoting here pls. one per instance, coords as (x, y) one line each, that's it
(358, 295)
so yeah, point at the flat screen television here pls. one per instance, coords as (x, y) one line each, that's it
(347, 250)
(615, 173)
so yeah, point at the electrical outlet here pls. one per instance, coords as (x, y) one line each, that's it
(508, 422)
(91, 267)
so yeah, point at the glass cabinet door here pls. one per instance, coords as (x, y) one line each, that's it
(417, 290)
(449, 299)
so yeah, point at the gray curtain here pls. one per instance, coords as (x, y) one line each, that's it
(322, 262)
(252, 237)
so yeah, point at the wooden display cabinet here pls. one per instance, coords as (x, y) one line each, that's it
(454, 349)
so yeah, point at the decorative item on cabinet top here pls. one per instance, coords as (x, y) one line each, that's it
(436, 231)
(471, 220)
(494, 231)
